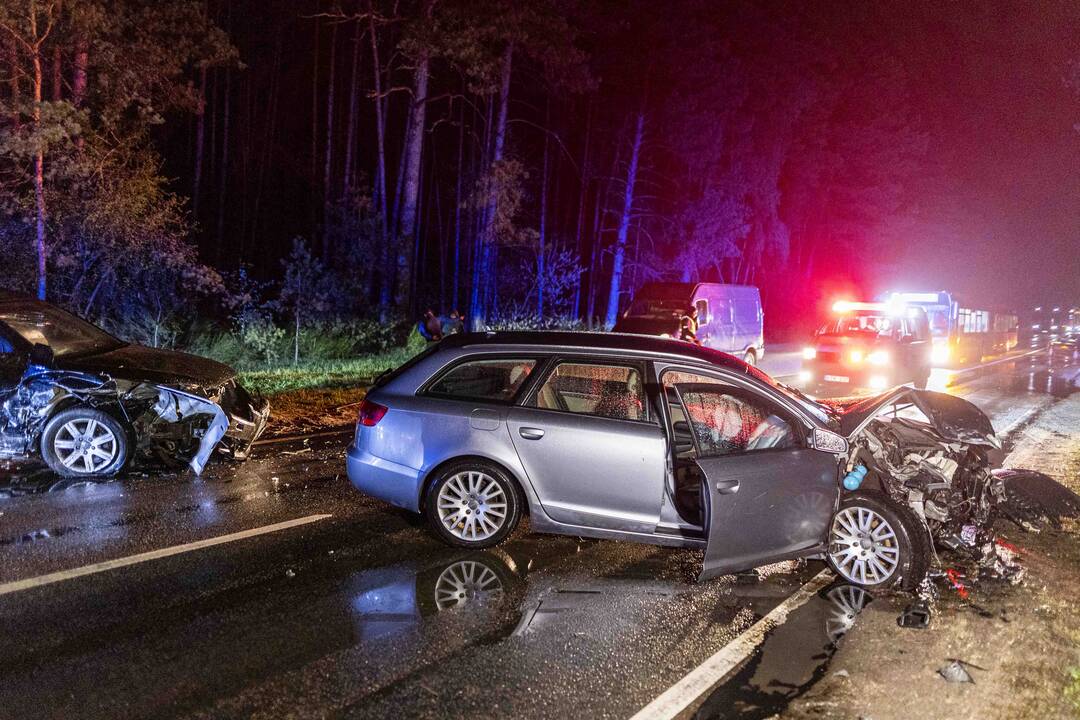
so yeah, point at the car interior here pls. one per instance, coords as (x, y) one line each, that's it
(611, 391)
(723, 423)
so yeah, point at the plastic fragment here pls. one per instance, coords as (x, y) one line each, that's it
(957, 671)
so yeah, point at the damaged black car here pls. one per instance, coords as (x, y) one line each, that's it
(90, 404)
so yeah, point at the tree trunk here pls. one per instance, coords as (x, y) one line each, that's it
(411, 184)
(386, 279)
(350, 130)
(457, 207)
(200, 133)
(329, 164)
(78, 74)
(583, 197)
(619, 256)
(16, 92)
(224, 168)
(543, 216)
(487, 239)
(39, 157)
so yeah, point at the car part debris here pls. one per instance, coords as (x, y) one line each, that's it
(956, 671)
(915, 616)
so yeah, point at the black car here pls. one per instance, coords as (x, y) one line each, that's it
(89, 403)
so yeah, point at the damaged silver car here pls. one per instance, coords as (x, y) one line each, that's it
(89, 404)
(657, 441)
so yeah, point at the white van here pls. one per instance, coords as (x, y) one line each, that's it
(730, 317)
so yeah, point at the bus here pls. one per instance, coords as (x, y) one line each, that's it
(961, 334)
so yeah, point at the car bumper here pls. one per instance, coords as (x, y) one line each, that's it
(840, 375)
(245, 429)
(396, 484)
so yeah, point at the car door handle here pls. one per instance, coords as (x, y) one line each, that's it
(727, 487)
(531, 433)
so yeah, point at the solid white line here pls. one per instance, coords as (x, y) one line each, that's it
(19, 585)
(704, 678)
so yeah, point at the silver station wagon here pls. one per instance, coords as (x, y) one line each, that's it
(649, 440)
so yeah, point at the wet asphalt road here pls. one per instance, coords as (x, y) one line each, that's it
(363, 614)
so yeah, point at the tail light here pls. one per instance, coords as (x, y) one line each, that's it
(371, 413)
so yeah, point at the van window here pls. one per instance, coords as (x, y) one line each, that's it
(496, 380)
(702, 306)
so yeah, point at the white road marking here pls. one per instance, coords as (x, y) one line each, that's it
(28, 583)
(706, 676)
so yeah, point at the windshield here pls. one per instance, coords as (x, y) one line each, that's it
(880, 325)
(656, 301)
(60, 330)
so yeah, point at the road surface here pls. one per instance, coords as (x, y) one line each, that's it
(272, 589)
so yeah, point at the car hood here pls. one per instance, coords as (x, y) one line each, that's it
(648, 326)
(146, 364)
(952, 417)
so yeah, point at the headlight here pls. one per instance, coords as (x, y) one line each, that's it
(665, 335)
(939, 354)
(809, 353)
(856, 356)
(805, 376)
(878, 357)
(878, 382)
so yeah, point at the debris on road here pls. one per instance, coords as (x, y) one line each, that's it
(957, 671)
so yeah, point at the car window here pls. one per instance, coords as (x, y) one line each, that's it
(703, 311)
(496, 379)
(611, 391)
(65, 333)
(726, 420)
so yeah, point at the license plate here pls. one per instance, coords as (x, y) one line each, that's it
(837, 378)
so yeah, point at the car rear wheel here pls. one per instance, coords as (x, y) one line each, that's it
(750, 358)
(876, 544)
(83, 442)
(472, 504)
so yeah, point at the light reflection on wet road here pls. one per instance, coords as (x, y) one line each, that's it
(365, 614)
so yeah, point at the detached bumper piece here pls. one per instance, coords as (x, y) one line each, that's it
(247, 419)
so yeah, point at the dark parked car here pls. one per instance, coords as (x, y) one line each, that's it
(665, 442)
(89, 404)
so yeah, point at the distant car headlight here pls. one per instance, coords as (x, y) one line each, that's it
(856, 357)
(809, 353)
(878, 382)
(805, 376)
(665, 335)
(878, 357)
(939, 354)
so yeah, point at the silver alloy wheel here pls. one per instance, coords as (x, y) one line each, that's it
(464, 582)
(85, 445)
(847, 602)
(863, 546)
(472, 505)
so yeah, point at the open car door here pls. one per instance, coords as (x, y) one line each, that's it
(767, 496)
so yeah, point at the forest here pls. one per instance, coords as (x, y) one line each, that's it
(271, 181)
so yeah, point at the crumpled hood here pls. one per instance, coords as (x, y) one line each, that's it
(146, 364)
(648, 326)
(952, 417)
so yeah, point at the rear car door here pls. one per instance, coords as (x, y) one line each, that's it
(594, 452)
(768, 496)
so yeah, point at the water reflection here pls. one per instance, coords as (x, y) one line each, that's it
(793, 657)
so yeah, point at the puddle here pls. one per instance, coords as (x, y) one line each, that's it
(793, 657)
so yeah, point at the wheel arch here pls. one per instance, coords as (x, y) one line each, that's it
(433, 473)
(69, 401)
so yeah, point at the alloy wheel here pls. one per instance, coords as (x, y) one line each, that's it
(85, 445)
(464, 582)
(863, 546)
(472, 505)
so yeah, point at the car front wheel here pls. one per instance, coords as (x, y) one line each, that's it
(83, 442)
(876, 544)
(472, 505)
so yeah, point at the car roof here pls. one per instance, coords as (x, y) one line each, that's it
(562, 340)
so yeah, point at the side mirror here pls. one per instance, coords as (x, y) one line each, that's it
(42, 355)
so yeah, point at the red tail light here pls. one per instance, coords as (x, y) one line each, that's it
(371, 413)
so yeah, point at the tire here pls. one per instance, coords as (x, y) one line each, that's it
(900, 553)
(750, 358)
(65, 448)
(465, 492)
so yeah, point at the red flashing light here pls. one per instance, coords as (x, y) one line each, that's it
(371, 413)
